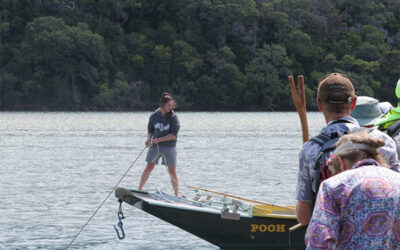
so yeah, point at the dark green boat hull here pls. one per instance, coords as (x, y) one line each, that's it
(246, 233)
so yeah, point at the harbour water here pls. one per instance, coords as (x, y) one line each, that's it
(56, 168)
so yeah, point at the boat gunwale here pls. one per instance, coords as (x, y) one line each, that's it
(145, 197)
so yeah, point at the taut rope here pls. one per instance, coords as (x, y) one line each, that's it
(91, 217)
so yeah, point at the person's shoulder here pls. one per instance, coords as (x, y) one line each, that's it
(312, 145)
(174, 116)
(155, 112)
(333, 182)
(377, 132)
(340, 178)
(381, 135)
(374, 172)
(310, 150)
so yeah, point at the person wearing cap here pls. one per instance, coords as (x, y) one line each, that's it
(358, 208)
(335, 98)
(367, 111)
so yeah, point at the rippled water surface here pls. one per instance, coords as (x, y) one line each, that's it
(57, 168)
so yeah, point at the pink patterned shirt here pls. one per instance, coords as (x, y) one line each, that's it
(357, 209)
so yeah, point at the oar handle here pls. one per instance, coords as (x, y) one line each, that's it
(295, 227)
(299, 99)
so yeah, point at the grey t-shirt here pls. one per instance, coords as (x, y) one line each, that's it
(161, 126)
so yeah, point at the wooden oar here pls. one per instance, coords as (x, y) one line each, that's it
(297, 226)
(241, 198)
(299, 99)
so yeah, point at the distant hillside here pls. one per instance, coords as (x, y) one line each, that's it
(211, 55)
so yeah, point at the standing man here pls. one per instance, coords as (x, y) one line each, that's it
(335, 98)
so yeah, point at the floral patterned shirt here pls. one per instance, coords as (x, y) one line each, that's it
(357, 209)
(309, 154)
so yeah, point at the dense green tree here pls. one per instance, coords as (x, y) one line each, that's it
(211, 55)
(60, 63)
(223, 85)
(264, 86)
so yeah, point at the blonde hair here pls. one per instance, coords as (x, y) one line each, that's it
(357, 154)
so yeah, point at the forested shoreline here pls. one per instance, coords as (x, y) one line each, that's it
(116, 55)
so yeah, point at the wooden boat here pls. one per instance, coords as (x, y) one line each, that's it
(227, 223)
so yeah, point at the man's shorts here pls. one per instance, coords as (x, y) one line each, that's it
(167, 154)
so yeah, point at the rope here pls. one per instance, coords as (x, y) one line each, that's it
(91, 217)
(159, 153)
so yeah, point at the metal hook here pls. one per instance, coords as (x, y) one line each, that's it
(120, 224)
(122, 231)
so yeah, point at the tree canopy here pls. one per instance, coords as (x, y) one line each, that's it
(209, 54)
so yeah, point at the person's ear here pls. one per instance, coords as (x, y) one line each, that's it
(353, 104)
(319, 104)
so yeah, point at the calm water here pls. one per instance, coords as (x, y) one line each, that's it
(57, 168)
